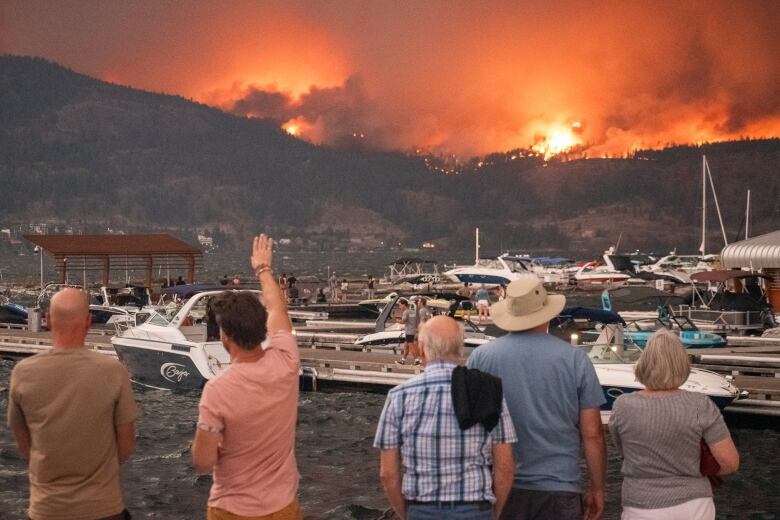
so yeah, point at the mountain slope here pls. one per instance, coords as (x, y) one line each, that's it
(77, 149)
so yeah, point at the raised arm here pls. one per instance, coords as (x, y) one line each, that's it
(273, 299)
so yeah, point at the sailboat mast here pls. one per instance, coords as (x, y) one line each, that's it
(703, 246)
(717, 206)
(747, 217)
(476, 248)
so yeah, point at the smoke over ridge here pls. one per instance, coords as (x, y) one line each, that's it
(448, 77)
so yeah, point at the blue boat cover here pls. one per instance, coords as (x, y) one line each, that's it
(585, 313)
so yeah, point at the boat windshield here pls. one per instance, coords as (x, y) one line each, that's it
(490, 263)
(157, 319)
(516, 266)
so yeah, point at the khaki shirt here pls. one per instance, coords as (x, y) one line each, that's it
(71, 401)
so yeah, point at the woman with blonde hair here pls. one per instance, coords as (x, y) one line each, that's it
(659, 431)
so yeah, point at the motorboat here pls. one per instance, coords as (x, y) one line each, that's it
(102, 310)
(391, 336)
(412, 270)
(501, 270)
(679, 268)
(554, 270)
(614, 358)
(612, 270)
(640, 331)
(181, 354)
(729, 302)
(597, 274)
(12, 313)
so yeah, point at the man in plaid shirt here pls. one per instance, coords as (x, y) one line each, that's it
(430, 468)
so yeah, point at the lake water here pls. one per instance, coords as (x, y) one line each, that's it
(338, 466)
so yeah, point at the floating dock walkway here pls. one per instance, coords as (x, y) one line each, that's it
(754, 363)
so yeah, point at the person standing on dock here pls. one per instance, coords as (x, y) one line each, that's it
(370, 287)
(466, 305)
(409, 320)
(659, 432)
(284, 286)
(483, 303)
(246, 427)
(333, 286)
(73, 414)
(344, 289)
(554, 399)
(446, 452)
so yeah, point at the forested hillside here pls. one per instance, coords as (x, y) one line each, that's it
(74, 149)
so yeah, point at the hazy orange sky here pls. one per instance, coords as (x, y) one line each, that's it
(460, 77)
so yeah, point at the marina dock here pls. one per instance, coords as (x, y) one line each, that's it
(754, 363)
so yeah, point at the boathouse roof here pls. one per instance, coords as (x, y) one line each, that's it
(761, 252)
(146, 252)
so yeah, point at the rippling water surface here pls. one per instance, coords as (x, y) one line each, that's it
(339, 468)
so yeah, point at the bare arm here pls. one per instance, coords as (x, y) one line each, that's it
(592, 433)
(205, 450)
(273, 299)
(390, 475)
(125, 441)
(23, 442)
(726, 454)
(503, 474)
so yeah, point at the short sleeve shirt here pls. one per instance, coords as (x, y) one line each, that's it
(441, 462)
(547, 382)
(409, 318)
(254, 406)
(71, 402)
(659, 437)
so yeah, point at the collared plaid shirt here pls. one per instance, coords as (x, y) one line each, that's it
(441, 462)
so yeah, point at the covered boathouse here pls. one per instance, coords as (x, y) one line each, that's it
(104, 253)
(758, 253)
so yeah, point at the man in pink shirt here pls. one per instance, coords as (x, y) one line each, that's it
(246, 426)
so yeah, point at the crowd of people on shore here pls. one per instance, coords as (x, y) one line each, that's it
(501, 437)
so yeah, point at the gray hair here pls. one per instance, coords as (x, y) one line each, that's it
(664, 363)
(440, 346)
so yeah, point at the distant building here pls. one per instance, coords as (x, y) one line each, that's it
(39, 229)
(5, 234)
(206, 241)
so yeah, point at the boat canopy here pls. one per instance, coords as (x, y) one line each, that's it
(723, 276)
(586, 313)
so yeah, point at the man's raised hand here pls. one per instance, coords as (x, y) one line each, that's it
(262, 251)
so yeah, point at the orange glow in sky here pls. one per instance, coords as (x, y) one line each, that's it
(462, 78)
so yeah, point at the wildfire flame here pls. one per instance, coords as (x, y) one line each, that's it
(559, 138)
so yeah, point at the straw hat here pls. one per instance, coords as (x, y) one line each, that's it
(527, 305)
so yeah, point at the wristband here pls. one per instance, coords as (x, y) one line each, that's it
(261, 269)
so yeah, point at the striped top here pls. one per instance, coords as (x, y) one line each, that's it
(659, 438)
(441, 462)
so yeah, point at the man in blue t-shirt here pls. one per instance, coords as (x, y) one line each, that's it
(554, 398)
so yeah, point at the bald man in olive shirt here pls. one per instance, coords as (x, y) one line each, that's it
(73, 413)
